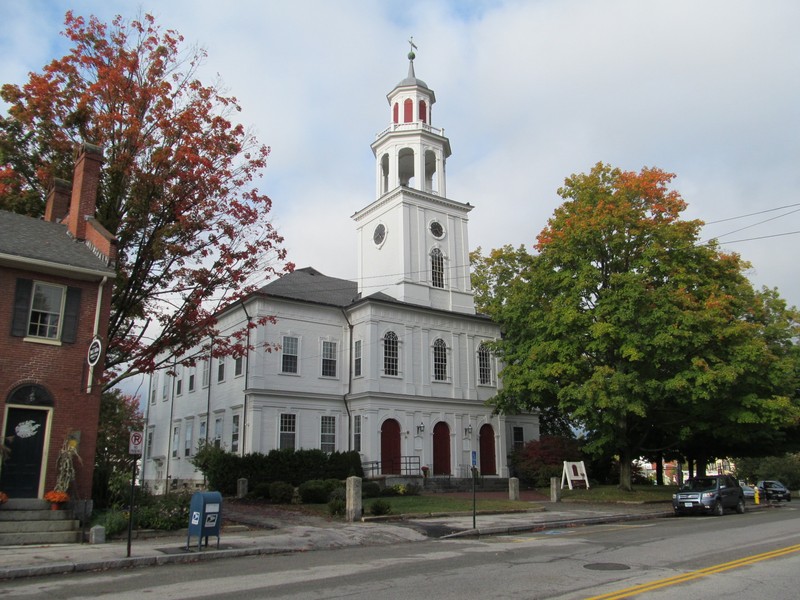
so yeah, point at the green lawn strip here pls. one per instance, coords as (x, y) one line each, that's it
(442, 503)
(611, 493)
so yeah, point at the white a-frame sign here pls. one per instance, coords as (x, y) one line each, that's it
(574, 472)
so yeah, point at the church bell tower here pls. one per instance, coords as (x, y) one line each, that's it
(413, 242)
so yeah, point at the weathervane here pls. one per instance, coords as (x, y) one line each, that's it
(411, 54)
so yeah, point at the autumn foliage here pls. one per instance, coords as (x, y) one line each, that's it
(178, 184)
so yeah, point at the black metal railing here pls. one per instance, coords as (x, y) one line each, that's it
(402, 465)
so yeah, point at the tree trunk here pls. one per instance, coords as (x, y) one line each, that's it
(659, 470)
(625, 471)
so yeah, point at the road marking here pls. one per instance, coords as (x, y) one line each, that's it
(661, 583)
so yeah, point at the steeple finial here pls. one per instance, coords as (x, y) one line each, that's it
(411, 57)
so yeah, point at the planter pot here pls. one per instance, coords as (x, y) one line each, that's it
(55, 506)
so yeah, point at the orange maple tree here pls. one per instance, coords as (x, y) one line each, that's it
(177, 186)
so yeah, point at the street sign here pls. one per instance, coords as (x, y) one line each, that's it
(474, 458)
(136, 443)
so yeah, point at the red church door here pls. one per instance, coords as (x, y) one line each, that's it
(486, 443)
(390, 447)
(441, 449)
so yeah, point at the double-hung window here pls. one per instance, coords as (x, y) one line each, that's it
(45, 311)
(328, 434)
(484, 365)
(287, 431)
(329, 359)
(437, 268)
(289, 354)
(357, 359)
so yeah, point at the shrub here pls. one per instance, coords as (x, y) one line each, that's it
(380, 507)
(370, 489)
(114, 520)
(337, 505)
(167, 513)
(539, 460)
(314, 492)
(281, 492)
(260, 491)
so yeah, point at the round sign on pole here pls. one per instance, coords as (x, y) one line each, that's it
(95, 348)
(136, 442)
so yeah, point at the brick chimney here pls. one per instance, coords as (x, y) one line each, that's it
(58, 198)
(85, 184)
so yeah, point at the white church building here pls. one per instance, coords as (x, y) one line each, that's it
(393, 365)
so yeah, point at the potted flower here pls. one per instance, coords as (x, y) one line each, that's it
(56, 498)
(425, 471)
(3, 497)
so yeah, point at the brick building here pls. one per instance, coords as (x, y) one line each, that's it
(56, 276)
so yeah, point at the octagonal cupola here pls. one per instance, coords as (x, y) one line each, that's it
(410, 152)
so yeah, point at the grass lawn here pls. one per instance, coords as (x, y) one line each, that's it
(611, 493)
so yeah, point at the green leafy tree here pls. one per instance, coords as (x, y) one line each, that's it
(645, 338)
(176, 190)
(119, 415)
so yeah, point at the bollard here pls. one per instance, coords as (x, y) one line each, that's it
(241, 487)
(97, 535)
(513, 488)
(555, 489)
(353, 502)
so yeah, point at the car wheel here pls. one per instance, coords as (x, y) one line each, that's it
(740, 506)
(718, 510)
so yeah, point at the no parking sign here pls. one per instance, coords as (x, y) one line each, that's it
(136, 442)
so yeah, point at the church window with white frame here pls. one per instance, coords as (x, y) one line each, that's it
(439, 360)
(484, 365)
(357, 433)
(328, 359)
(327, 434)
(391, 354)
(357, 358)
(437, 268)
(289, 354)
(287, 433)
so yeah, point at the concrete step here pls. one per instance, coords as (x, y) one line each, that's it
(39, 526)
(42, 537)
(31, 521)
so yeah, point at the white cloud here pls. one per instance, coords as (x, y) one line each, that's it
(528, 92)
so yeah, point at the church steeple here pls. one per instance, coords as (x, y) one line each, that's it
(412, 239)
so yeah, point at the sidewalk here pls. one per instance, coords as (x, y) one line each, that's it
(269, 535)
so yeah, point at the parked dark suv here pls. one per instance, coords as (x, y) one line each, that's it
(774, 490)
(711, 494)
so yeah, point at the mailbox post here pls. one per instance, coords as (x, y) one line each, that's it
(205, 517)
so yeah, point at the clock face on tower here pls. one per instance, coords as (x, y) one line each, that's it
(379, 234)
(436, 229)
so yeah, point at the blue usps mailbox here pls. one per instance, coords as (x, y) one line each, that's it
(205, 517)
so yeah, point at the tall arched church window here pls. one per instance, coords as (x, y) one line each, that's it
(423, 111)
(439, 360)
(396, 112)
(437, 268)
(390, 353)
(408, 110)
(484, 365)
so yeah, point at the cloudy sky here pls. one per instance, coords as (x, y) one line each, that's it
(528, 92)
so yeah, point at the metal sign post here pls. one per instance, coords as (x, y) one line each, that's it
(135, 449)
(474, 477)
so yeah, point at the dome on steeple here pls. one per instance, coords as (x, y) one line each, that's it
(411, 79)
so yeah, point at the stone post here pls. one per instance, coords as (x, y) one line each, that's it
(513, 488)
(241, 487)
(97, 535)
(353, 505)
(555, 489)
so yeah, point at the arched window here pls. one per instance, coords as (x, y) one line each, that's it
(484, 365)
(423, 111)
(396, 112)
(439, 360)
(390, 353)
(437, 268)
(408, 110)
